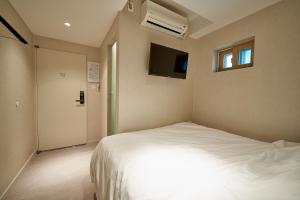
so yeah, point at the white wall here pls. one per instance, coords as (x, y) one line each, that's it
(17, 125)
(263, 101)
(149, 101)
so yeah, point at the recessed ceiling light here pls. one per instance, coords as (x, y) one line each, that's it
(67, 24)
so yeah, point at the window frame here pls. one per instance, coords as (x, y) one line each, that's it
(234, 49)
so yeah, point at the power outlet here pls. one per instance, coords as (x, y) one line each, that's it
(18, 104)
(130, 6)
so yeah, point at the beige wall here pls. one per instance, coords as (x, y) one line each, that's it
(149, 101)
(261, 102)
(17, 125)
(93, 94)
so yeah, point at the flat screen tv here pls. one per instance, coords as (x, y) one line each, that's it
(167, 62)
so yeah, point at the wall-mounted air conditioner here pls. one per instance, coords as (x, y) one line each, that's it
(164, 20)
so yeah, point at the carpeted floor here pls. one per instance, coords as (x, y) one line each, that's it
(56, 175)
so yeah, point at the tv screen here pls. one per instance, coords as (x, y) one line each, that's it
(167, 62)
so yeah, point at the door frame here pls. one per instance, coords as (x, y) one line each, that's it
(109, 66)
(36, 47)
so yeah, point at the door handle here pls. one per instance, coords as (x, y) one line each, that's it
(81, 97)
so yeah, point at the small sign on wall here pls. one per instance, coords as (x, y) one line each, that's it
(93, 72)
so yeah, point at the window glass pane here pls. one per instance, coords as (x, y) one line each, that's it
(227, 63)
(244, 56)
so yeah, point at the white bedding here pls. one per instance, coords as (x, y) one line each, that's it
(188, 161)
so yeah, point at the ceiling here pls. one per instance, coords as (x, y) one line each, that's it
(222, 12)
(90, 19)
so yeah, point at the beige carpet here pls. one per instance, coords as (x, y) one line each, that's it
(57, 175)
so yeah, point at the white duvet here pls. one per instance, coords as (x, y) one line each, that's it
(188, 161)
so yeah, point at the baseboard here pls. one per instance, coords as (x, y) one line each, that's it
(92, 141)
(3, 195)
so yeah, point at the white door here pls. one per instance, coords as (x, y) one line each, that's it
(62, 121)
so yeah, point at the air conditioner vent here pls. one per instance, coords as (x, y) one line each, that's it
(159, 18)
(168, 29)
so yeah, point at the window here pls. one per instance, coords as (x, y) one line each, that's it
(237, 56)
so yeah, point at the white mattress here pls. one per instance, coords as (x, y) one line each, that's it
(188, 161)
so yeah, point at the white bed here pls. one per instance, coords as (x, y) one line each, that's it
(188, 161)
